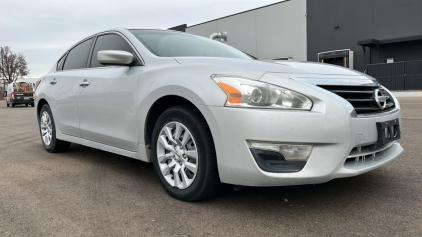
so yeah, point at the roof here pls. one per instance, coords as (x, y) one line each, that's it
(375, 42)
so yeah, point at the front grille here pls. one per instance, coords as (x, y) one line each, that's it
(367, 155)
(361, 97)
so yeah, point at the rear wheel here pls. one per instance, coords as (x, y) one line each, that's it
(183, 154)
(13, 106)
(32, 105)
(7, 104)
(48, 132)
(26, 105)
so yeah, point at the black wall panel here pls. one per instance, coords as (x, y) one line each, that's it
(339, 24)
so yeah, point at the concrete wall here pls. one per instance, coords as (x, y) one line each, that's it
(278, 30)
(360, 20)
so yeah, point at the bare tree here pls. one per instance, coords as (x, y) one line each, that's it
(12, 66)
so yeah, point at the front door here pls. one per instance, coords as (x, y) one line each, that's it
(108, 98)
(107, 106)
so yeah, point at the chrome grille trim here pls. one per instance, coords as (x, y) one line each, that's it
(370, 153)
(346, 91)
(362, 98)
(378, 114)
(368, 150)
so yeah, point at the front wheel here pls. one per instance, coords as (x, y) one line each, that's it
(183, 154)
(48, 132)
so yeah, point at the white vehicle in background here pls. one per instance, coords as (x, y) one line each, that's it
(206, 113)
(20, 93)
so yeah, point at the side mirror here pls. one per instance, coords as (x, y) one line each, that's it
(115, 57)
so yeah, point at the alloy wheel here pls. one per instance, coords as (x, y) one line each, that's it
(177, 155)
(46, 128)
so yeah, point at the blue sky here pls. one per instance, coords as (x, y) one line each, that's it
(44, 29)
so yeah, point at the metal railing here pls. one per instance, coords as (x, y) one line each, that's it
(398, 76)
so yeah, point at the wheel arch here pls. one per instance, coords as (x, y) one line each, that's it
(40, 104)
(158, 107)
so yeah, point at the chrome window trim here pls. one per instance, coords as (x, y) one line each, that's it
(127, 40)
(57, 63)
(96, 35)
(67, 52)
(68, 70)
(91, 68)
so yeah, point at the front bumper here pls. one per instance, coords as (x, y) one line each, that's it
(329, 127)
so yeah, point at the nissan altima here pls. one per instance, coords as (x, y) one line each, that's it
(205, 113)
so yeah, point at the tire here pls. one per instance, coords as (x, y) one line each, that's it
(26, 105)
(13, 106)
(32, 105)
(52, 145)
(205, 182)
(7, 104)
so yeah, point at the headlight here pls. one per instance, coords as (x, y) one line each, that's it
(243, 92)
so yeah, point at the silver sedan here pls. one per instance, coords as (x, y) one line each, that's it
(205, 113)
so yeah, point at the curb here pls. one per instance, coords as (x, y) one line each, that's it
(408, 94)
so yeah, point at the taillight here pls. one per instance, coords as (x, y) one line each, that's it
(13, 95)
(33, 95)
(37, 84)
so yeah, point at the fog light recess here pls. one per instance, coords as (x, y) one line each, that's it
(279, 157)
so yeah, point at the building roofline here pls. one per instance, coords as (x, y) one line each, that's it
(374, 42)
(238, 13)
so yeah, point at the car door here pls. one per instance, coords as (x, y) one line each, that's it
(108, 97)
(64, 86)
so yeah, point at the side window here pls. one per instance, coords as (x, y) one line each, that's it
(110, 42)
(78, 56)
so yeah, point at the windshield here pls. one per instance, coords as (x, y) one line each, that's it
(22, 87)
(173, 44)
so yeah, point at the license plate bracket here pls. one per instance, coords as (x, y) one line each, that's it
(388, 131)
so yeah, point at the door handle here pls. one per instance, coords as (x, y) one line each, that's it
(84, 83)
(52, 82)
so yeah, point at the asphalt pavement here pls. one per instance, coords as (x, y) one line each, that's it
(88, 192)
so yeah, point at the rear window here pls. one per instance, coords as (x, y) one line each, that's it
(22, 87)
(77, 57)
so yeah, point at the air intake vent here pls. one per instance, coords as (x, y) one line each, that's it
(363, 98)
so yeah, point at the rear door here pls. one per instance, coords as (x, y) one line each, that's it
(64, 85)
(107, 106)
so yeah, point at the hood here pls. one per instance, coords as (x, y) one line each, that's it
(272, 66)
(321, 68)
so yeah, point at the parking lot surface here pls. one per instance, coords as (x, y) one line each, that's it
(88, 192)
